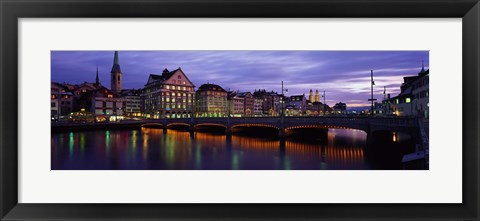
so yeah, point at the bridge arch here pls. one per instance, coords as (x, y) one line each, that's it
(322, 126)
(209, 124)
(255, 125)
(151, 125)
(177, 124)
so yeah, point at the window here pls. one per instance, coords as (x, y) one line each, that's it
(179, 77)
(407, 100)
(168, 86)
(173, 81)
(184, 82)
(53, 104)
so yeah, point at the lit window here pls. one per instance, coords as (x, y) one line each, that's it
(184, 82)
(407, 100)
(173, 94)
(168, 86)
(173, 81)
(173, 87)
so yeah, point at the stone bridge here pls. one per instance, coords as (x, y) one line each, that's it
(368, 124)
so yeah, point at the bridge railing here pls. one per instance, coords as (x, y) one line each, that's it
(342, 120)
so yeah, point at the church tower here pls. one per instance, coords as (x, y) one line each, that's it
(317, 97)
(97, 80)
(310, 96)
(116, 75)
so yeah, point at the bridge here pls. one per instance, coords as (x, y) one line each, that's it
(370, 125)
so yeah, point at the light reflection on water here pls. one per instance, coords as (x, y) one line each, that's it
(147, 149)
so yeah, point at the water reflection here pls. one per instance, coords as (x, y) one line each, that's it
(148, 148)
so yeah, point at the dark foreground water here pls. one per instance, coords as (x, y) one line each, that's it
(150, 149)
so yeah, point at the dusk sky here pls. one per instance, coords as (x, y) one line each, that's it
(344, 75)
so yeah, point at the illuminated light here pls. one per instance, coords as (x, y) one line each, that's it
(394, 137)
(71, 143)
(82, 142)
(107, 140)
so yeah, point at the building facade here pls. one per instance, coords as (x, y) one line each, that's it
(340, 108)
(61, 101)
(236, 105)
(133, 102)
(299, 102)
(211, 101)
(169, 95)
(257, 107)
(249, 103)
(106, 106)
(271, 102)
(413, 99)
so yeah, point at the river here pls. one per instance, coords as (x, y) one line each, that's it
(151, 149)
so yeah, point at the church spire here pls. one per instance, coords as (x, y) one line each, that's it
(423, 68)
(97, 80)
(115, 58)
(116, 65)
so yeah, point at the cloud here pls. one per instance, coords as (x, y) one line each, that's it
(344, 75)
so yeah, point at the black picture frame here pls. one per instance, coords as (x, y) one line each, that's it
(11, 11)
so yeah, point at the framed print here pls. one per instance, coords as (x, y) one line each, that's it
(239, 110)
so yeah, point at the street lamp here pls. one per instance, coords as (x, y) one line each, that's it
(371, 84)
(324, 104)
(283, 100)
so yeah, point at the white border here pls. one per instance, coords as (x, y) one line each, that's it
(441, 184)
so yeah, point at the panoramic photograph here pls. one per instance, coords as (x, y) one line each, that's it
(239, 110)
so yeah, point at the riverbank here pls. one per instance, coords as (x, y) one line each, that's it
(63, 127)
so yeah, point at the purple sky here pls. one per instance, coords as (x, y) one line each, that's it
(344, 75)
